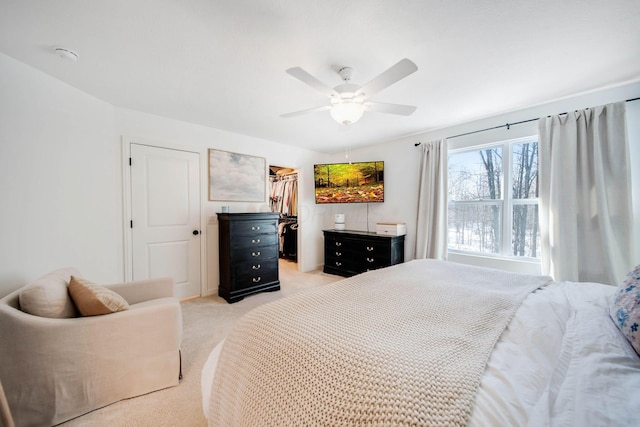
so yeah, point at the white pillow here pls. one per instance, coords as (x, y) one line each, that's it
(48, 296)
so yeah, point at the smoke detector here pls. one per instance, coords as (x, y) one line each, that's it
(67, 54)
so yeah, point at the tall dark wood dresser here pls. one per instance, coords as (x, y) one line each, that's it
(248, 252)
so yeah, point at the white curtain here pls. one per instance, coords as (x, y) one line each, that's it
(431, 233)
(586, 219)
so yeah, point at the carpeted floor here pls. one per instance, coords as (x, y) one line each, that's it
(206, 322)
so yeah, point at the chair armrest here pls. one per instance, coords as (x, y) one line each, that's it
(144, 290)
(42, 335)
(56, 369)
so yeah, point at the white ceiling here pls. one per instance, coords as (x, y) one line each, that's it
(221, 63)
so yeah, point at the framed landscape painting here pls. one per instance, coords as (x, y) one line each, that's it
(236, 177)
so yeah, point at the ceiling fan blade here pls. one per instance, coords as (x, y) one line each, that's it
(381, 107)
(397, 72)
(310, 110)
(307, 78)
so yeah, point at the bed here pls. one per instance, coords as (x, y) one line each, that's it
(428, 343)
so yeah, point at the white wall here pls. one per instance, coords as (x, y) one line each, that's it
(60, 185)
(402, 165)
(154, 130)
(61, 175)
(61, 179)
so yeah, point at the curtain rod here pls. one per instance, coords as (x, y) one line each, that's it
(508, 125)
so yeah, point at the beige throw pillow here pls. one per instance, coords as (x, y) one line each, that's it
(48, 296)
(94, 300)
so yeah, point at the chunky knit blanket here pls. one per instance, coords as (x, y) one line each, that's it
(405, 345)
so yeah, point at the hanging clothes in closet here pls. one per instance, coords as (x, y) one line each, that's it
(284, 194)
(284, 200)
(288, 233)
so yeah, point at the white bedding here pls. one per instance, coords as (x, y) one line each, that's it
(561, 361)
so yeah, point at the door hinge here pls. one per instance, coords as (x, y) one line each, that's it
(129, 161)
(131, 224)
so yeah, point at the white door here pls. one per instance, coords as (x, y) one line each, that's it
(165, 216)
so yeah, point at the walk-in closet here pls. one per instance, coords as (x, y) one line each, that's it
(283, 199)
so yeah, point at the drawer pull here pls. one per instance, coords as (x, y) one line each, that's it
(338, 263)
(338, 253)
(369, 248)
(370, 259)
(255, 267)
(255, 228)
(255, 241)
(255, 253)
(256, 279)
(338, 243)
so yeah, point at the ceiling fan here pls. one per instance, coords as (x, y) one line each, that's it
(348, 101)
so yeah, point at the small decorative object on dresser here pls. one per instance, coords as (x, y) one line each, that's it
(348, 252)
(391, 228)
(248, 244)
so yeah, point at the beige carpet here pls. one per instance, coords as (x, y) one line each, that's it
(206, 321)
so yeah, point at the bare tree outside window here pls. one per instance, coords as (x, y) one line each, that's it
(492, 161)
(525, 186)
(475, 195)
(482, 215)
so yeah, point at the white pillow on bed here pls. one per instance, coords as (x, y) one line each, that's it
(625, 308)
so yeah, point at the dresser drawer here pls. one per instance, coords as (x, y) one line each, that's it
(253, 241)
(253, 228)
(336, 242)
(259, 253)
(340, 263)
(372, 248)
(372, 262)
(254, 266)
(332, 251)
(250, 278)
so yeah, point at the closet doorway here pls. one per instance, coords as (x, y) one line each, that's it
(283, 199)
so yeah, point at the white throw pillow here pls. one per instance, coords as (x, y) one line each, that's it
(48, 296)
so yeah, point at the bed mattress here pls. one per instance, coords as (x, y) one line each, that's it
(560, 361)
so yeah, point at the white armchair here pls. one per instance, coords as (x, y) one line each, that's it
(55, 369)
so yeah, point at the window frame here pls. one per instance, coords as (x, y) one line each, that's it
(507, 204)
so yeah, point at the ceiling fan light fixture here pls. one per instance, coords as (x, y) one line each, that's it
(347, 112)
(348, 101)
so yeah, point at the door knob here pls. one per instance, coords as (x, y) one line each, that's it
(196, 232)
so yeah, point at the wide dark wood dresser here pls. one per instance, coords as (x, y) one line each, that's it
(348, 253)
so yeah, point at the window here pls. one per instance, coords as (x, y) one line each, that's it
(493, 199)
